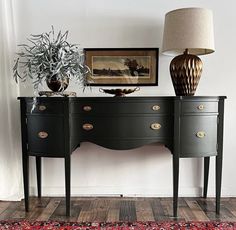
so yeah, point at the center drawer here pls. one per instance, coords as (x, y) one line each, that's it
(126, 127)
(125, 107)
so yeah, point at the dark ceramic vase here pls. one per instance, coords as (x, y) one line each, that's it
(56, 83)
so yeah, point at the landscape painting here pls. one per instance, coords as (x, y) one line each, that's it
(122, 66)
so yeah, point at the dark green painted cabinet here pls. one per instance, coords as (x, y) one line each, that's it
(198, 136)
(45, 135)
(188, 126)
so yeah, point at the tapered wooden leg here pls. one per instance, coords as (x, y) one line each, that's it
(206, 175)
(175, 184)
(25, 162)
(39, 177)
(219, 156)
(218, 182)
(67, 183)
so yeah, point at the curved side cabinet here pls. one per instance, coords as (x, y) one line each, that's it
(45, 135)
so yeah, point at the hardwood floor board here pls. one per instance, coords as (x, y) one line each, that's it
(186, 214)
(232, 199)
(144, 210)
(157, 210)
(4, 205)
(49, 209)
(60, 212)
(99, 210)
(167, 207)
(119, 209)
(226, 215)
(234, 213)
(36, 206)
(113, 210)
(19, 212)
(230, 206)
(7, 213)
(84, 215)
(182, 202)
(196, 210)
(208, 207)
(39, 206)
(127, 211)
(77, 207)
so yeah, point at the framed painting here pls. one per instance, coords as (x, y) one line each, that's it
(122, 66)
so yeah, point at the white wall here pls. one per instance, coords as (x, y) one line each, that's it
(144, 171)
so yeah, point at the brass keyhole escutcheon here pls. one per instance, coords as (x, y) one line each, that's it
(42, 107)
(200, 134)
(155, 126)
(155, 107)
(42, 135)
(200, 107)
(87, 126)
(87, 108)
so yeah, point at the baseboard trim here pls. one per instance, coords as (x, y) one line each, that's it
(127, 191)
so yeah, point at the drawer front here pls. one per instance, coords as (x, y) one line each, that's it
(198, 136)
(126, 127)
(46, 135)
(45, 107)
(200, 107)
(155, 107)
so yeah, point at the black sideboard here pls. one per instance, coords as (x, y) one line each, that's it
(187, 126)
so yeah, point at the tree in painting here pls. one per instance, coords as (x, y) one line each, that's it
(132, 65)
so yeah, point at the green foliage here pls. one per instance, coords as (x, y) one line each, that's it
(50, 55)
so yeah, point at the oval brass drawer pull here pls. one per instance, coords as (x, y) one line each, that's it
(155, 107)
(200, 107)
(42, 134)
(87, 108)
(87, 126)
(200, 134)
(155, 126)
(42, 107)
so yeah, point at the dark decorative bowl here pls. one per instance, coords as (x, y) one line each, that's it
(119, 92)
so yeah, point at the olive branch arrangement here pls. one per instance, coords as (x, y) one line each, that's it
(49, 55)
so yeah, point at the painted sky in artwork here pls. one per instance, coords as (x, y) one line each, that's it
(115, 63)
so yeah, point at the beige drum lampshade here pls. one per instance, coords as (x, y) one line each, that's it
(188, 32)
(188, 28)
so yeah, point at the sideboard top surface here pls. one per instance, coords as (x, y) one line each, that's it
(121, 99)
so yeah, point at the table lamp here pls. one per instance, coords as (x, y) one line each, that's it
(188, 32)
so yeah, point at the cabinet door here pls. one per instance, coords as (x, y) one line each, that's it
(198, 136)
(45, 135)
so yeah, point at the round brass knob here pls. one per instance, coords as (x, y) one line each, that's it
(42, 134)
(155, 107)
(200, 134)
(200, 107)
(42, 107)
(87, 108)
(155, 126)
(87, 126)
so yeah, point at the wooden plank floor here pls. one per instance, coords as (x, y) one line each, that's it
(119, 209)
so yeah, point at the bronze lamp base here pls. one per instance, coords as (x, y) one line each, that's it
(185, 71)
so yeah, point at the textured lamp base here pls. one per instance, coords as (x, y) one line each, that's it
(185, 71)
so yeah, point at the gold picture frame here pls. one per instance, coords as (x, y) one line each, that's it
(122, 66)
